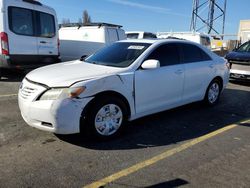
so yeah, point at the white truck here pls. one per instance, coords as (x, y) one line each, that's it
(140, 35)
(200, 38)
(77, 40)
(28, 34)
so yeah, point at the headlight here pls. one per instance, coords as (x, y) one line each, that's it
(55, 93)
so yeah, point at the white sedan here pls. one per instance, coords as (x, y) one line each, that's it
(121, 82)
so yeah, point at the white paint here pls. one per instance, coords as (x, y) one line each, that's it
(147, 91)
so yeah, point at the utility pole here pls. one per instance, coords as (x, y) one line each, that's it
(209, 15)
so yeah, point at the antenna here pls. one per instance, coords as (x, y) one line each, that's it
(209, 15)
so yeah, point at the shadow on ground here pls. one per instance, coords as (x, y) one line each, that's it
(12, 75)
(173, 126)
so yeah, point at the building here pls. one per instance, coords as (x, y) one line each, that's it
(244, 31)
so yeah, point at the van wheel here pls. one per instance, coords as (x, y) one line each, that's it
(0, 73)
(213, 93)
(106, 117)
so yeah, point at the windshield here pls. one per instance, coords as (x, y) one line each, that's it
(121, 54)
(244, 47)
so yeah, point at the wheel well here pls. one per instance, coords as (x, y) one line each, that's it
(220, 81)
(108, 94)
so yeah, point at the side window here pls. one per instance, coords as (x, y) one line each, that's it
(21, 21)
(149, 36)
(192, 53)
(47, 25)
(112, 35)
(167, 54)
(132, 35)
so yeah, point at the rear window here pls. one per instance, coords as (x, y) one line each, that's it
(47, 25)
(132, 35)
(31, 23)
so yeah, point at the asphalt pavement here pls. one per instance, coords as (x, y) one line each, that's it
(190, 146)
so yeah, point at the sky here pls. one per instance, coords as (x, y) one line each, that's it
(148, 15)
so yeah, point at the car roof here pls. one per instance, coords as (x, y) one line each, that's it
(156, 41)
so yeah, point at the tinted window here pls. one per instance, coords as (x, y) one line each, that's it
(120, 54)
(47, 25)
(21, 21)
(149, 36)
(167, 55)
(192, 53)
(132, 35)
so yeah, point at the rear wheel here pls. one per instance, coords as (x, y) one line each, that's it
(213, 92)
(106, 117)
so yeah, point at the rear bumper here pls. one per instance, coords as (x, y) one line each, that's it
(27, 61)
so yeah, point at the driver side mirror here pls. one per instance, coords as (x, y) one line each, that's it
(151, 64)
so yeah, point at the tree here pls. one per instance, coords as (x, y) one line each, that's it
(80, 20)
(86, 18)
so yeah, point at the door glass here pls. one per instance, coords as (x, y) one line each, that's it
(192, 54)
(20, 21)
(47, 25)
(167, 55)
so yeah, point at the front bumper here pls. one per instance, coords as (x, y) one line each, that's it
(59, 116)
(240, 74)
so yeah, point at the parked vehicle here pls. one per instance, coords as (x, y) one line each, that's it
(29, 37)
(239, 60)
(124, 81)
(140, 35)
(199, 38)
(83, 40)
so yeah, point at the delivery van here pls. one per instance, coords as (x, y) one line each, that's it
(28, 34)
(83, 40)
(200, 38)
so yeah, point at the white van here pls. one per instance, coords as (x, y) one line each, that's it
(83, 40)
(29, 34)
(140, 35)
(200, 38)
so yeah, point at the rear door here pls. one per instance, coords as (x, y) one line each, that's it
(20, 27)
(199, 71)
(47, 35)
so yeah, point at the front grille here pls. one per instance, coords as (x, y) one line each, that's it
(27, 92)
(30, 91)
(240, 67)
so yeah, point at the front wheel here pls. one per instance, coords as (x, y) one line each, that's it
(213, 93)
(106, 117)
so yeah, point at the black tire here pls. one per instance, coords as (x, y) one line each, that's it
(213, 93)
(89, 126)
(1, 73)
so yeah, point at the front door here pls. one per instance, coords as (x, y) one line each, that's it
(161, 88)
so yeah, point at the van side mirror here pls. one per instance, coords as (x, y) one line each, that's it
(83, 57)
(151, 64)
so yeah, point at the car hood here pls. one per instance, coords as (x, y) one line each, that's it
(238, 56)
(68, 73)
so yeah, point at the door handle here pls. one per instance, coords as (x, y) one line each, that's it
(179, 71)
(43, 42)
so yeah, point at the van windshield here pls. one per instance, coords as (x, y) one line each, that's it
(121, 54)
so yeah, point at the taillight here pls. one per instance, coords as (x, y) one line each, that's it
(4, 43)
